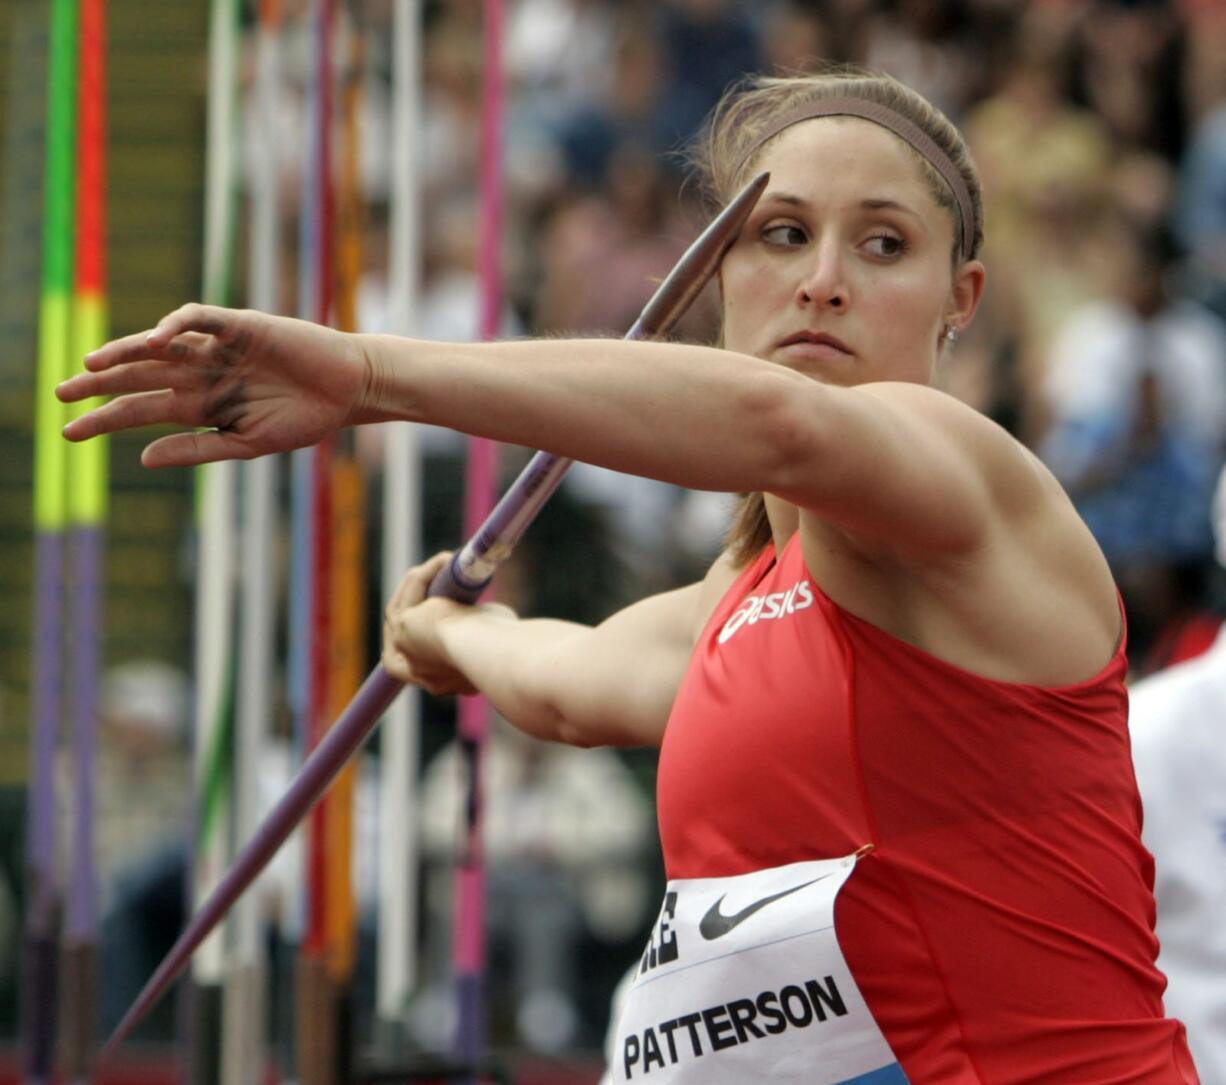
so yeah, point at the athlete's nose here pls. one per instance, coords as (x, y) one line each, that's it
(824, 282)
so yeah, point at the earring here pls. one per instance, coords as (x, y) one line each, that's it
(950, 335)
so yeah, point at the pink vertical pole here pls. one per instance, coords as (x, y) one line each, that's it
(480, 494)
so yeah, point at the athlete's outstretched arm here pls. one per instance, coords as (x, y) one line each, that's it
(898, 461)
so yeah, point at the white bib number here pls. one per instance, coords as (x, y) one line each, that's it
(743, 980)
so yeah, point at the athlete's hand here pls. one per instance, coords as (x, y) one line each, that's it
(413, 648)
(260, 383)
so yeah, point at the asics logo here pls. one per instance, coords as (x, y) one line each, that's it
(761, 608)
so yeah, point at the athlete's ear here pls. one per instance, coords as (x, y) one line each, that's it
(965, 294)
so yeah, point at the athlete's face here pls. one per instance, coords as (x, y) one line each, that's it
(843, 271)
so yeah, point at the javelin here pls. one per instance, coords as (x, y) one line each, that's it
(463, 580)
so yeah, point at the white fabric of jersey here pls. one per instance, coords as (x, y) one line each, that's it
(1178, 724)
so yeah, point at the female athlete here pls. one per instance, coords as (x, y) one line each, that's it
(896, 699)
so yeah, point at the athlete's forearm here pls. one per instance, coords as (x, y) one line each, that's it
(500, 656)
(607, 685)
(695, 416)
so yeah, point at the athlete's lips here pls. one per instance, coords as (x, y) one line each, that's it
(821, 339)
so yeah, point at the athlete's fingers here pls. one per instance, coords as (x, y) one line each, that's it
(143, 376)
(140, 346)
(181, 335)
(393, 661)
(104, 366)
(434, 568)
(439, 682)
(138, 409)
(195, 317)
(413, 585)
(129, 348)
(78, 387)
(193, 449)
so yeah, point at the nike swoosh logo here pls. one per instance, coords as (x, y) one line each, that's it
(715, 924)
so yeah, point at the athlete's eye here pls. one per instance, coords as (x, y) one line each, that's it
(887, 245)
(784, 234)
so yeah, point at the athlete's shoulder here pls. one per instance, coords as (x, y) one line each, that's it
(945, 413)
(971, 459)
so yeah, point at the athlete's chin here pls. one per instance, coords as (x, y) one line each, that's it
(843, 370)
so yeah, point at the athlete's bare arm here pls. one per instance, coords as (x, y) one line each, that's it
(908, 473)
(607, 685)
(695, 416)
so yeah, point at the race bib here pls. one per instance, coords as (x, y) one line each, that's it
(743, 980)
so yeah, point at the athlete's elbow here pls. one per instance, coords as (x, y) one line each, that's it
(530, 707)
(550, 722)
(796, 436)
(571, 733)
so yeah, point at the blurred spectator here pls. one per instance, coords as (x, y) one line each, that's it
(142, 750)
(602, 255)
(1136, 393)
(919, 42)
(142, 823)
(1200, 210)
(559, 54)
(1204, 82)
(1129, 59)
(452, 109)
(630, 116)
(795, 39)
(707, 45)
(1044, 165)
(1142, 189)
(1176, 721)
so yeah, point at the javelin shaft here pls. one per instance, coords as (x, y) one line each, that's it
(378, 691)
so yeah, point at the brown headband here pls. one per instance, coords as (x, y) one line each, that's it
(906, 130)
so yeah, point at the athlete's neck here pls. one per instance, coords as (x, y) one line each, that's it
(784, 519)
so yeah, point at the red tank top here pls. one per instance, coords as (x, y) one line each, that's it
(1001, 930)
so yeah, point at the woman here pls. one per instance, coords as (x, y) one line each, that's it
(911, 651)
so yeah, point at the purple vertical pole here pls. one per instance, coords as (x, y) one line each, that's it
(81, 927)
(87, 559)
(41, 962)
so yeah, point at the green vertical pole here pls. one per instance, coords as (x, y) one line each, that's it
(44, 899)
